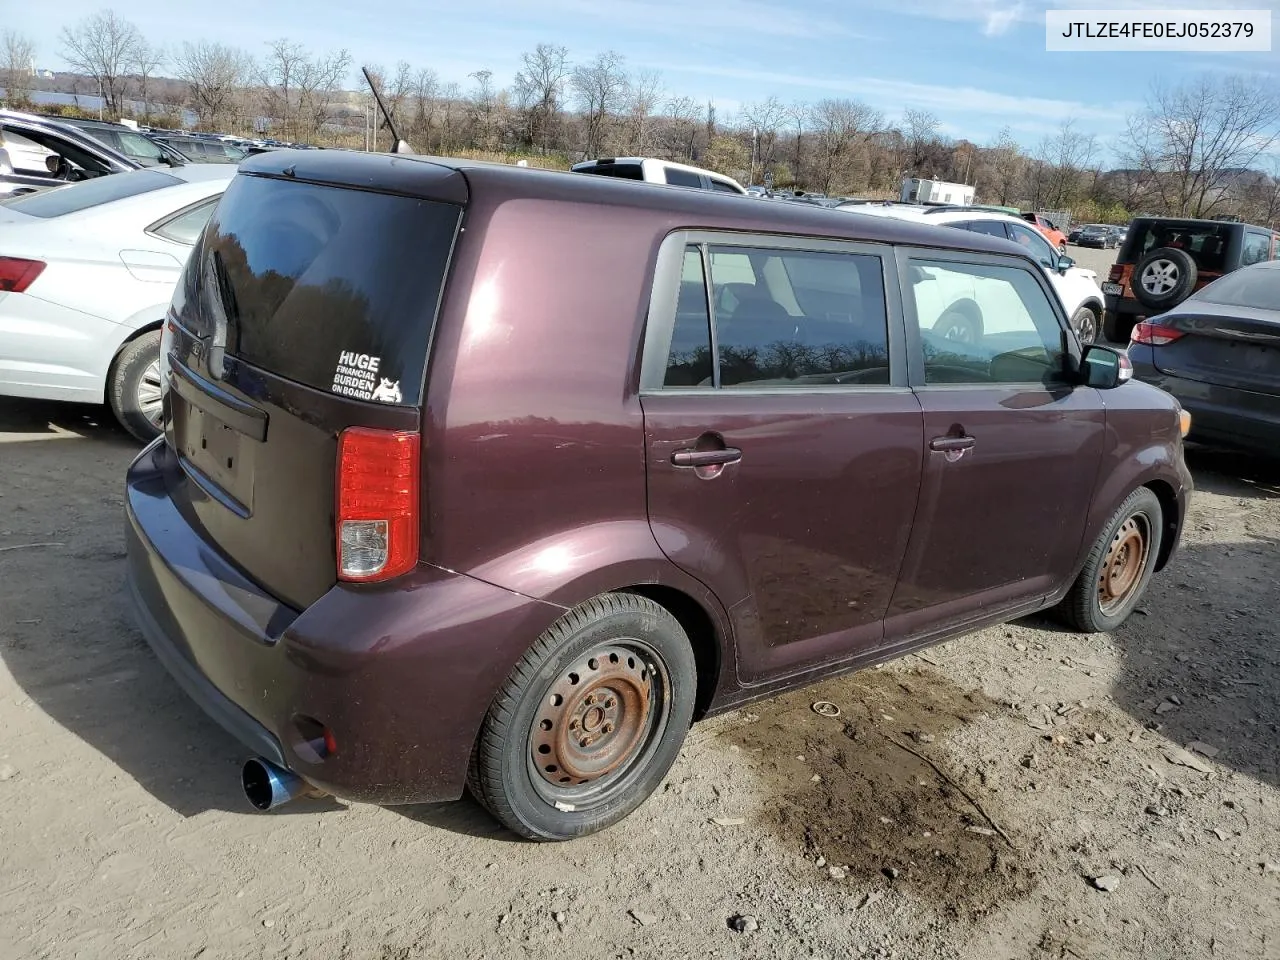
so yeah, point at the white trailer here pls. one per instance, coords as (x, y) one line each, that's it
(918, 190)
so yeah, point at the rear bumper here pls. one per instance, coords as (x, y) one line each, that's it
(1225, 415)
(401, 674)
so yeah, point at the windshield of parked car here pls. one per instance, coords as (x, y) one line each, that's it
(1252, 287)
(90, 193)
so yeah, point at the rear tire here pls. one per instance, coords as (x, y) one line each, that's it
(1118, 568)
(1164, 278)
(133, 387)
(589, 721)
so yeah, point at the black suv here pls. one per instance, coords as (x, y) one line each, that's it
(1164, 260)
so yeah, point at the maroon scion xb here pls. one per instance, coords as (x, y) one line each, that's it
(480, 476)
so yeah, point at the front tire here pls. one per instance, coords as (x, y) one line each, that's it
(1118, 568)
(589, 721)
(133, 387)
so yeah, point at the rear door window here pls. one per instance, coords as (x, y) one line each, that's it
(333, 288)
(683, 178)
(992, 228)
(810, 318)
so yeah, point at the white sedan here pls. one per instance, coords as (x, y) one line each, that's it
(86, 275)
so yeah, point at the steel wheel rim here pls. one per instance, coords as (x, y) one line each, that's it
(1123, 565)
(148, 394)
(1160, 277)
(619, 707)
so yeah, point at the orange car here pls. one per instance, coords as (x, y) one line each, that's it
(1045, 226)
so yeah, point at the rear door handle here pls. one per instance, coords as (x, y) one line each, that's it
(706, 458)
(951, 444)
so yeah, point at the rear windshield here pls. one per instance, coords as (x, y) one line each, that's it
(91, 193)
(330, 287)
(1254, 287)
(1206, 242)
(627, 171)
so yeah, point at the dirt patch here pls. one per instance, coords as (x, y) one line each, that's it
(875, 796)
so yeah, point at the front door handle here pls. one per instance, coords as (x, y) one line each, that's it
(951, 444)
(706, 458)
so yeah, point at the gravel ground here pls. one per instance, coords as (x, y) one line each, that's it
(1021, 793)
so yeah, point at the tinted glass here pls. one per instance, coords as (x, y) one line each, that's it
(798, 318)
(91, 193)
(1035, 244)
(723, 187)
(186, 227)
(1257, 247)
(333, 288)
(625, 171)
(984, 324)
(689, 357)
(683, 178)
(992, 228)
(1206, 242)
(1245, 288)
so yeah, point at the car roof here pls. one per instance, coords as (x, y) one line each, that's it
(201, 172)
(456, 180)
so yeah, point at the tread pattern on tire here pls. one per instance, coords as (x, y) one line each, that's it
(484, 771)
(119, 395)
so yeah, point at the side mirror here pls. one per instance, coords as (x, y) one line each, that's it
(1065, 263)
(1105, 368)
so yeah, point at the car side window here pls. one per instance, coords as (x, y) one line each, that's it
(689, 356)
(982, 323)
(721, 187)
(1257, 247)
(185, 228)
(993, 228)
(809, 318)
(1036, 244)
(683, 178)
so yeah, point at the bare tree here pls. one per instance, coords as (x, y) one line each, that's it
(147, 58)
(798, 114)
(840, 127)
(920, 131)
(102, 46)
(681, 114)
(1064, 158)
(214, 74)
(539, 89)
(1006, 167)
(600, 87)
(426, 94)
(299, 88)
(1192, 140)
(765, 120)
(17, 55)
(644, 91)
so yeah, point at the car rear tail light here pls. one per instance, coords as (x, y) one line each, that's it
(17, 274)
(166, 348)
(1153, 334)
(377, 503)
(1117, 273)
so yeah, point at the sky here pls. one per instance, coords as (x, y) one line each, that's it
(978, 65)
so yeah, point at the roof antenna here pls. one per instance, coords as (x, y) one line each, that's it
(401, 146)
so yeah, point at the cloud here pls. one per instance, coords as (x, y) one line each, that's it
(715, 18)
(894, 95)
(999, 21)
